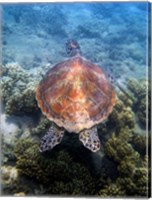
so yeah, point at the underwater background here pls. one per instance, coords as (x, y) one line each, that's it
(112, 35)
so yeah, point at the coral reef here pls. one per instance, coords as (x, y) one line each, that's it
(140, 89)
(7, 153)
(9, 135)
(18, 90)
(140, 142)
(126, 148)
(117, 149)
(121, 116)
(135, 185)
(111, 190)
(133, 174)
(15, 184)
(42, 127)
(58, 170)
(125, 99)
(9, 174)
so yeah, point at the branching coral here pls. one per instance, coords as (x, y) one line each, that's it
(127, 185)
(140, 90)
(121, 116)
(22, 145)
(58, 170)
(126, 166)
(141, 179)
(18, 90)
(117, 149)
(124, 148)
(80, 183)
(128, 102)
(137, 184)
(133, 174)
(139, 143)
(112, 190)
(42, 126)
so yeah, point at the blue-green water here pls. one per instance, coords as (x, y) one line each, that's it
(115, 37)
(110, 34)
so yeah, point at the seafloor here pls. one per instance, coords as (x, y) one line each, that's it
(112, 35)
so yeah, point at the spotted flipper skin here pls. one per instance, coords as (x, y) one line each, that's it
(52, 138)
(90, 139)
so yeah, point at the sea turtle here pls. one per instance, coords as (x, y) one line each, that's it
(75, 95)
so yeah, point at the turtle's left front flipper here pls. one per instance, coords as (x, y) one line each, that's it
(52, 138)
(90, 139)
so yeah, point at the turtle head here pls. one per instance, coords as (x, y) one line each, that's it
(72, 48)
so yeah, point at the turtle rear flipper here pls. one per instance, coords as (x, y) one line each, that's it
(52, 138)
(90, 139)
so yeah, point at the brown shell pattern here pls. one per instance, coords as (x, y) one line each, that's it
(75, 94)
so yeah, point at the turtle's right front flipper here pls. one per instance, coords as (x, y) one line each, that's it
(52, 138)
